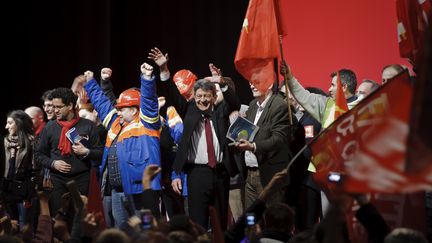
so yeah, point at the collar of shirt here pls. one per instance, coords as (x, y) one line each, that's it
(262, 105)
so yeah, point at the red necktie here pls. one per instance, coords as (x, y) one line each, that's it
(209, 140)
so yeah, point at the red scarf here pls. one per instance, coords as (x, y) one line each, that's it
(64, 144)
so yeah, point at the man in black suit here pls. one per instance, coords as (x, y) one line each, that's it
(270, 152)
(207, 183)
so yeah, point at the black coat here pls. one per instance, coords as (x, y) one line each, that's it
(191, 116)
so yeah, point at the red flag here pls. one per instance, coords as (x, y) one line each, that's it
(281, 18)
(367, 145)
(258, 45)
(413, 17)
(420, 141)
(340, 100)
(94, 204)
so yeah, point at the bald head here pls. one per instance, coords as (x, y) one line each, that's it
(36, 114)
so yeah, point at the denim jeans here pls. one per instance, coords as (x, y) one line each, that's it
(115, 207)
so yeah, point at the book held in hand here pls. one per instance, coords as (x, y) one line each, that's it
(241, 128)
(73, 135)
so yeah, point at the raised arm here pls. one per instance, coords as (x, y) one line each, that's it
(149, 113)
(170, 89)
(107, 85)
(232, 101)
(102, 104)
(313, 103)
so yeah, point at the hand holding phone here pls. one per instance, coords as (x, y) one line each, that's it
(146, 219)
(250, 219)
(335, 177)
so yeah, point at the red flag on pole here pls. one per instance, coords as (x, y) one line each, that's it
(367, 145)
(281, 18)
(340, 100)
(413, 18)
(258, 45)
(94, 204)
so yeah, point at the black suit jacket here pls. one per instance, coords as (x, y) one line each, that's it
(191, 116)
(272, 139)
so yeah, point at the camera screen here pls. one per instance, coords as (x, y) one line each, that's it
(250, 219)
(334, 177)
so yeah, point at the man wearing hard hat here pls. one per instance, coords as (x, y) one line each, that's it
(132, 144)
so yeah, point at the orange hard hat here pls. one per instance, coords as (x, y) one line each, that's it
(184, 80)
(129, 97)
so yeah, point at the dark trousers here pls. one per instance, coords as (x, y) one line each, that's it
(172, 202)
(59, 188)
(208, 187)
(308, 204)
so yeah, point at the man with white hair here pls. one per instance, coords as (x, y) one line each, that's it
(37, 116)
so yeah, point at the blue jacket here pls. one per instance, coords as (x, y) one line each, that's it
(138, 142)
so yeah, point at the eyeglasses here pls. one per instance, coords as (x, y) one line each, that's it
(206, 96)
(48, 106)
(58, 107)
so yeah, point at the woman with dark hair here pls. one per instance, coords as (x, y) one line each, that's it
(18, 164)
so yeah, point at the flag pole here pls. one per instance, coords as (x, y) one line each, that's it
(276, 12)
(286, 83)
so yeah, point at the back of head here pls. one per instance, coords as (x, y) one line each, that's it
(405, 235)
(347, 78)
(180, 222)
(391, 71)
(306, 236)
(396, 67)
(34, 111)
(112, 235)
(374, 85)
(10, 239)
(180, 236)
(278, 217)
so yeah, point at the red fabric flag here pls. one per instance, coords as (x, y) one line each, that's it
(94, 204)
(281, 17)
(340, 100)
(420, 140)
(258, 45)
(367, 145)
(413, 17)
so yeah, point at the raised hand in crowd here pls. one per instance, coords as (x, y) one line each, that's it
(82, 97)
(159, 58)
(77, 88)
(105, 73)
(90, 226)
(88, 75)
(44, 194)
(61, 228)
(147, 71)
(278, 181)
(161, 102)
(216, 75)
